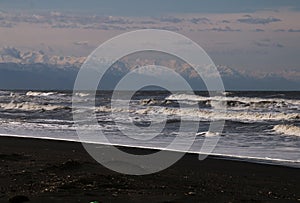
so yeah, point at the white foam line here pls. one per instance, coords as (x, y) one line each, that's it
(257, 159)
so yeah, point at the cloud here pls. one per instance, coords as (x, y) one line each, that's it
(147, 22)
(279, 30)
(226, 29)
(6, 24)
(293, 30)
(63, 25)
(262, 43)
(262, 21)
(200, 20)
(117, 20)
(258, 30)
(289, 30)
(82, 43)
(225, 21)
(279, 45)
(170, 28)
(62, 20)
(268, 43)
(171, 20)
(105, 27)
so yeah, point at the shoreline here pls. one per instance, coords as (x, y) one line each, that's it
(59, 171)
(247, 159)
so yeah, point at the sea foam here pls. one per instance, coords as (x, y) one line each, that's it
(287, 129)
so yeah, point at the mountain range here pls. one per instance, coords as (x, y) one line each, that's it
(38, 70)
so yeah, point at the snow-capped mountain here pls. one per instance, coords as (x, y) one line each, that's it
(18, 67)
(14, 55)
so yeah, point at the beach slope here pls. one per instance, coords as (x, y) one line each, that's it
(59, 171)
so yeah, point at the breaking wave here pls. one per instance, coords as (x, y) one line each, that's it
(287, 130)
(153, 102)
(237, 101)
(40, 94)
(208, 134)
(4, 92)
(80, 94)
(207, 114)
(29, 106)
(236, 116)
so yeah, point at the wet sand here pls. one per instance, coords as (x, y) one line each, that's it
(58, 171)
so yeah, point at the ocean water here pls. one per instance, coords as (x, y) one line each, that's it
(259, 126)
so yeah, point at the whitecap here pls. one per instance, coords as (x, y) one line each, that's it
(287, 130)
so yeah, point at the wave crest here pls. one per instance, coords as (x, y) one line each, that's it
(28, 106)
(199, 114)
(253, 102)
(287, 129)
(40, 94)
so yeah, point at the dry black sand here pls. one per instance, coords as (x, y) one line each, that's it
(56, 171)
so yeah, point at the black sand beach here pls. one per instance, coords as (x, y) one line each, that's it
(57, 171)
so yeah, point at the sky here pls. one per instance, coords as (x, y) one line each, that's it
(150, 8)
(258, 36)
